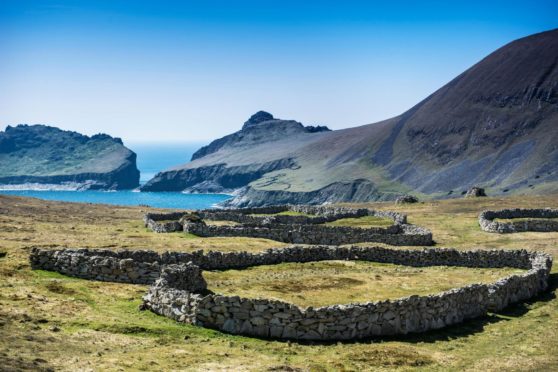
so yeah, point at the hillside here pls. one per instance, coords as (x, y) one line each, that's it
(39, 154)
(229, 163)
(495, 126)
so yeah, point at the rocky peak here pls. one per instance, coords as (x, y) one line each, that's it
(260, 127)
(257, 118)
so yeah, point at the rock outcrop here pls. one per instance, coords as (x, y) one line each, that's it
(475, 192)
(222, 175)
(41, 155)
(406, 199)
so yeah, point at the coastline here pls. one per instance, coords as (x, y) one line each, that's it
(64, 186)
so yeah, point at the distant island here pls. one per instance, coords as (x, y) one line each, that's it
(45, 157)
(495, 126)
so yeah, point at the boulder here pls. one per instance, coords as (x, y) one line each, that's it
(475, 192)
(406, 199)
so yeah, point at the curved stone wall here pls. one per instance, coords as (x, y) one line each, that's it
(540, 221)
(180, 293)
(295, 229)
(320, 214)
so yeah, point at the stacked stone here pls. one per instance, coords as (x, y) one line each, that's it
(81, 264)
(180, 292)
(56, 260)
(164, 222)
(316, 234)
(320, 214)
(295, 229)
(540, 221)
(277, 319)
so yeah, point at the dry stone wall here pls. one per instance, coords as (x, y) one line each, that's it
(128, 267)
(180, 291)
(164, 222)
(540, 220)
(296, 229)
(319, 214)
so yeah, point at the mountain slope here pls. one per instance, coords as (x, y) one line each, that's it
(39, 154)
(229, 162)
(495, 125)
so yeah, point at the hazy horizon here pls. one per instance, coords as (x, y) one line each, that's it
(185, 72)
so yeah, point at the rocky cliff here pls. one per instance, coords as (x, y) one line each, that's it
(43, 156)
(495, 126)
(213, 168)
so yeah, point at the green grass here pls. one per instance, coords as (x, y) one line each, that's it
(366, 221)
(48, 320)
(339, 282)
(221, 223)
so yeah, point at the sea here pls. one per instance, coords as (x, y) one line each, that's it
(152, 158)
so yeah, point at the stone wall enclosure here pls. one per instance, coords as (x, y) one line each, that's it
(539, 220)
(178, 289)
(295, 229)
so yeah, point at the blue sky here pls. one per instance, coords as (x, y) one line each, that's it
(195, 70)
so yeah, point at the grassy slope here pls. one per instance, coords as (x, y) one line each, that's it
(100, 327)
(63, 157)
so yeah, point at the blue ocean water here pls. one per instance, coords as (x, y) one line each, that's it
(152, 158)
(173, 200)
(156, 157)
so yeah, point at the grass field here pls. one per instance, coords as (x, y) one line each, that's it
(364, 222)
(341, 282)
(51, 321)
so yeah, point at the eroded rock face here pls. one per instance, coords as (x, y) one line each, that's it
(257, 118)
(42, 155)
